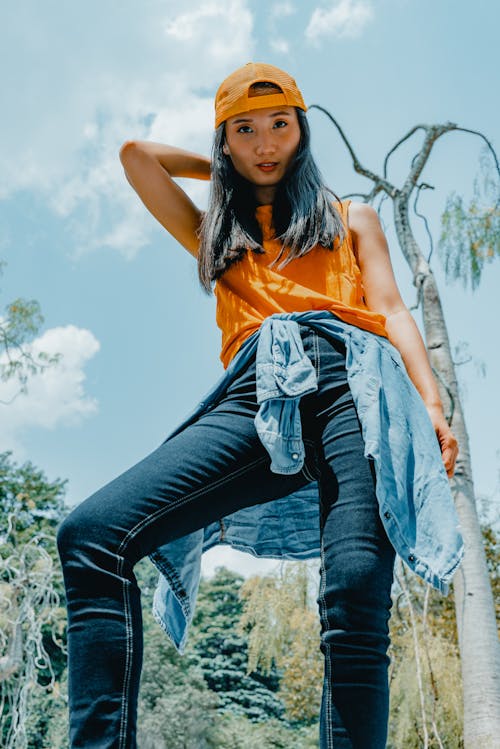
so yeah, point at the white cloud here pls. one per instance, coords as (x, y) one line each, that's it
(55, 396)
(203, 25)
(282, 10)
(346, 18)
(81, 86)
(280, 45)
(223, 30)
(276, 26)
(114, 216)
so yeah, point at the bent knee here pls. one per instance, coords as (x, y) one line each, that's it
(356, 597)
(80, 527)
(69, 534)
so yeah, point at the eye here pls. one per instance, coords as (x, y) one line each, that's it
(244, 129)
(280, 123)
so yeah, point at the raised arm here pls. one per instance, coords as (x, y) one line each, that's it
(150, 168)
(382, 295)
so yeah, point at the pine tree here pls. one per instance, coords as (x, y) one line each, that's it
(223, 651)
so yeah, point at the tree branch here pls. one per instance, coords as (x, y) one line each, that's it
(396, 146)
(379, 182)
(433, 132)
(490, 147)
(365, 196)
(422, 186)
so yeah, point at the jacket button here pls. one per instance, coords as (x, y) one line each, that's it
(411, 558)
(387, 514)
(295, 456)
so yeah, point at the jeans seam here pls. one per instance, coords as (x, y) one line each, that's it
(128, 660)
(328, 672)
(128, 619)
(316, 353)
(199, 492)
(168, 571)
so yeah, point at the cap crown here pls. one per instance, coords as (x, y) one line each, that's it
(234, 95)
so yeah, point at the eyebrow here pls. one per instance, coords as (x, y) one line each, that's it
(249, 119)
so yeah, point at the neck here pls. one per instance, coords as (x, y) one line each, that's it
(265, 195)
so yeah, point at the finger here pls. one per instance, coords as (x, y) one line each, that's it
(449, 462)
(449, 457)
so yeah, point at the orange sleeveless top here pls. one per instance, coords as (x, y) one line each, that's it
(249, 291)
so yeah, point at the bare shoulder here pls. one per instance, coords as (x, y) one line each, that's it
(362, 217)
(365, 228)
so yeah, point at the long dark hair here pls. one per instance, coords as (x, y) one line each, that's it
(303, 213)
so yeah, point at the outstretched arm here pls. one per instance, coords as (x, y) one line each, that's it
(382, 295)
(150, 167)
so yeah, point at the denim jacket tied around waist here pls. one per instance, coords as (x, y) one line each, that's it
(415, 502)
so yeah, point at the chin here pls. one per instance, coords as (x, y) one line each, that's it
(267, 180)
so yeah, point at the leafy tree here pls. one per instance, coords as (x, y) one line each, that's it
(492, 549)
(32, 617)
(283, 628)
(32, 620)
(176, 707)
(427, 710)
(470, 234)
(425, 678)
(47, 718)
(21, 321)
(29, 504)
(223, 651)
(238, 732)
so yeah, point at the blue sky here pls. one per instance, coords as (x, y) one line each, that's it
(120, 297)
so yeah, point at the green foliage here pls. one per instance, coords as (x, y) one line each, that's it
(47, 719)
(218, 695)
(425, 675)
(29, 504)
(176, 707)
(21, 321)
(209, 697)
(223, 651)
(180, 711)
(236, 732)
(442, 703)
(492, 548)
(32, 619)
(283, 629)
(470, 235)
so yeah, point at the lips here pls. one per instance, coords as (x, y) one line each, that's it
(268, 166)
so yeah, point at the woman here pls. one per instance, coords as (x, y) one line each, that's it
(315, 437)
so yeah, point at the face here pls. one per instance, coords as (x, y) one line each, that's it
(262, 145)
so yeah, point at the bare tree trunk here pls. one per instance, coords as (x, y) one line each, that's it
(479, 650)
(475, 612)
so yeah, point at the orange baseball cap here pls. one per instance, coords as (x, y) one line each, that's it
(233, 95)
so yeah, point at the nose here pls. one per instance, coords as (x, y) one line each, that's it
(266, 144)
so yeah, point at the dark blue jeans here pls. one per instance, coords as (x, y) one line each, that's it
(214, 467)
